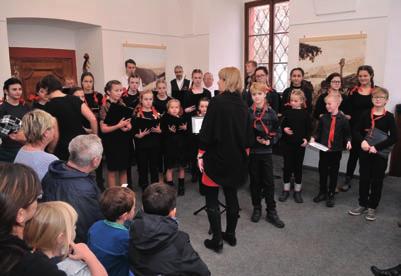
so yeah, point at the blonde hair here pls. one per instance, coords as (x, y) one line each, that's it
(160, 81)
(179, 105)
(50, 220)
(380, 90)
(335, 96)
(259, 87)
(299, 93)
(232, 79)
(35, 123)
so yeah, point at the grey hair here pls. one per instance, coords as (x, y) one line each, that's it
(84, 148)
(178, 67)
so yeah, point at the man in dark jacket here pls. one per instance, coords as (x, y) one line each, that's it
(73, 183)
(157, 247)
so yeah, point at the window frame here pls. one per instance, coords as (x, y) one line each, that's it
(250, 5)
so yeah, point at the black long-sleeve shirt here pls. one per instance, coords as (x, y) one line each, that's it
(386, 124)
(358, 105)
(342, 132)
(300, 123)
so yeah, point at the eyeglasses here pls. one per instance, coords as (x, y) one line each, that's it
(333, 81)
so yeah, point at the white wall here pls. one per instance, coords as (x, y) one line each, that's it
(40, 36)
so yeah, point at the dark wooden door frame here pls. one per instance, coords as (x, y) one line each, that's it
(22, 52)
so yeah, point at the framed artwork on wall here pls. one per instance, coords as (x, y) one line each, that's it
(321, 56)
(150, 61)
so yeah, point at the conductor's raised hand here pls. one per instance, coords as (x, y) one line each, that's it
(288, 131)
(156, 129)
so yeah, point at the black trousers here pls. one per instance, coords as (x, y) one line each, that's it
(329, 165)
(213, 211)
(353, 158)
(372, 169)
(262, 180)
(293, 162)
(148, 160)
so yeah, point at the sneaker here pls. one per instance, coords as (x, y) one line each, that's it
(347, 184)
(284, 196)
(298, 197)
(357, 211)
(371, 215)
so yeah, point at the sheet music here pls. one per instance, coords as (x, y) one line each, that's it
(318, 146)
(196, 124)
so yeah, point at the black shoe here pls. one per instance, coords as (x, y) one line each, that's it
(215, 245)
(229, 238)
(347, 184)
(181, 187)
(284, 196)
(274, 219)
(320, 197)
(330, 201)
(298, 197)
(394, 271)
(256, 214)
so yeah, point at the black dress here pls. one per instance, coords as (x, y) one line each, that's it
(117, 144)
(173, 142)
(67, 111)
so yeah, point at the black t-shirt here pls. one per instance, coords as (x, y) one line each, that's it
(67, 111)
(14, 110)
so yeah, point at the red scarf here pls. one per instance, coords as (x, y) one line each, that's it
(373, 119)
(260, 119)
(332, 130)
(359, 90)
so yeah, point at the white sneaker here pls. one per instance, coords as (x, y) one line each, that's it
(371, 215)
(357, 211)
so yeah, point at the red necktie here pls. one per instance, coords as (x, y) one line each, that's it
(332, 130)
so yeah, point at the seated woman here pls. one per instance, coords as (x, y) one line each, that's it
(51, 233)
(19, 193)
(38, 128)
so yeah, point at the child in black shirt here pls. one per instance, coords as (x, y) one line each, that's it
(174, 129)
(296, 126)
(147, 139)
(267, 132)
(377, 132)
(161, 98)
(333, 131)
(131, 95)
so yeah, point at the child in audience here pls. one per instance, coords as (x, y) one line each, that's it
(51, 232)
(375, 150)
(115, 124)
(147, 139)
(38, 127)
(161, 98)
(157, 247)
(174, 129)
(267, 132)
(333, 131)
(131, 95)
(296, 126)
(108, 239)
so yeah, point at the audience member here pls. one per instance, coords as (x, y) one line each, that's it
(157, 247)
(73, 183)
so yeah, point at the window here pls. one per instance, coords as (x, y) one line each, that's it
(266, 35)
